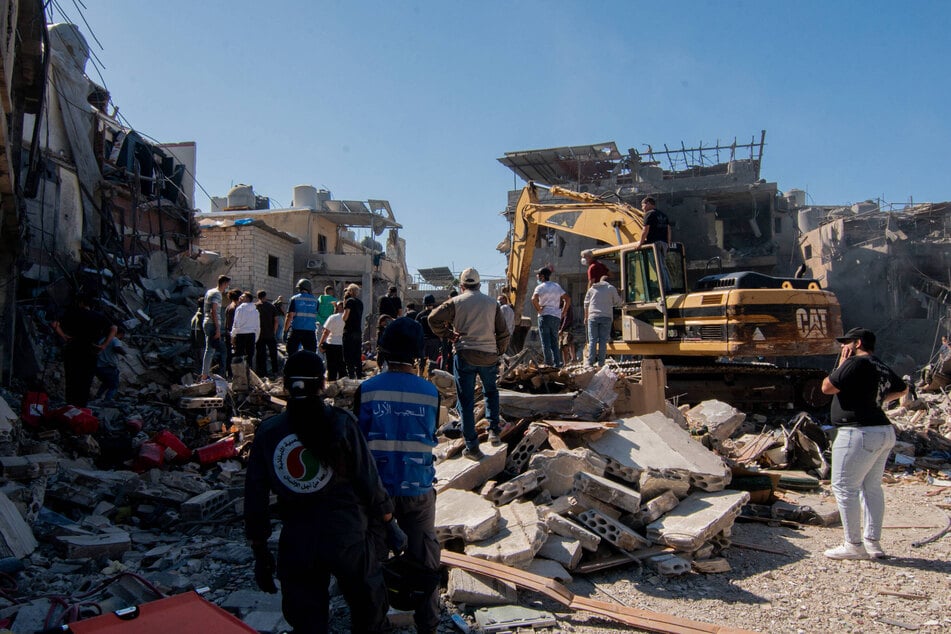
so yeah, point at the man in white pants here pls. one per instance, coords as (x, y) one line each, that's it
(860, 385)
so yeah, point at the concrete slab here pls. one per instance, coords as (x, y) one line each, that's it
(613, 531)
(654, 443)
(110, 545)
(549, 569)
(623, 497)
(718, 418)
(561, 466)
(564, 550)
(559, 525)
(698, 519)
(535, 436)
(521, 533)
(466, 515)
(465, 587)
(462, 473)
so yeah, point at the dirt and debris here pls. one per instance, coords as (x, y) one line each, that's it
(680, 511)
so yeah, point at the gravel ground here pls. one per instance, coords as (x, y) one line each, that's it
(800, 591)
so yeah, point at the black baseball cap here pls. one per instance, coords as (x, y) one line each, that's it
(867, 337)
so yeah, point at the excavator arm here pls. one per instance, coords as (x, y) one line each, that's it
(592, 217)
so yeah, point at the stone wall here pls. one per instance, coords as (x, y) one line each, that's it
(252, 247)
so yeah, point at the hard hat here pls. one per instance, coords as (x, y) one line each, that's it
(303, 374)
(469, 277)
(402, 341)
(303, 284)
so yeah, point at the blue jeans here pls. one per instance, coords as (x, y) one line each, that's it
(212, 345)
(858, 462)
(548, 333)
(465, 374)
(599, 332)
(108, 376)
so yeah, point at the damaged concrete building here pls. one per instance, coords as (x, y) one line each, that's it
(890, 268)
(93, 200)
(322, 232)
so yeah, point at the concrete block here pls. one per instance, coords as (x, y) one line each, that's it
(565, 550)
(549, 569)
(516, 487)
(698, 519)
(521, 533)
(669, 564)
(528, 446)
(613, 531)
(466, 515)
(720, 419)
(564, 527)
(45, 464)
(205, 505)
(561, 466)
(201, 402)
(15, 534)
(654, 509)
(17, 468)
(111, 545)
(654, 483)
(580, 502)
(462, 473)
(465, 587)
(654, 443)
(711, 566)
(607, 491)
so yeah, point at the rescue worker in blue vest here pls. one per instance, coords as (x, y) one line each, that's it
(300, 324)
(315, 459)
(397, 411)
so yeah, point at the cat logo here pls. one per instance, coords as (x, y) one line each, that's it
(812, 323)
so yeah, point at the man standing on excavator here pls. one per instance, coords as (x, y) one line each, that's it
(657, 231)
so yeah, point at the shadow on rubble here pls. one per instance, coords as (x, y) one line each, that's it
(930, 565)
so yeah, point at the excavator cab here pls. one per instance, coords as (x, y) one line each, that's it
(649, 276)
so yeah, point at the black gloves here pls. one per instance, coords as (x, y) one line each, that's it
(396, 539)
(264, 568)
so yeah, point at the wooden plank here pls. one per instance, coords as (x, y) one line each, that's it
(634, 617)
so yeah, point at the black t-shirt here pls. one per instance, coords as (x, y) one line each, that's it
(656, 223)
(354, 321)
(390, 305)
(268, 312)
(863, 382)
(423, 319)
(87, 327)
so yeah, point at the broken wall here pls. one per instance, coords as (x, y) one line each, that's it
(253, 248)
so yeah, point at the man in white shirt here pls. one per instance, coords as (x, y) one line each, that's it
(552, 302)
(331, 344)
(246, 328)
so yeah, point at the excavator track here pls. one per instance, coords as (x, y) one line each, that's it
(751, 387)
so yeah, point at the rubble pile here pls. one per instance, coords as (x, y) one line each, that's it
(148, 500)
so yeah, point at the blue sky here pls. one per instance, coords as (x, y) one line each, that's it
(413, 102)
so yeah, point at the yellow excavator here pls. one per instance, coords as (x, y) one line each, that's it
(735, 336)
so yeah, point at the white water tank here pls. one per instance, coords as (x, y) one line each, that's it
(323, 195)
(241, 197)
(305, 196)
(795, 198)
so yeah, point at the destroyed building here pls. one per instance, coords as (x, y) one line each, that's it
(890, 268)
(323, 234)
(94, 200)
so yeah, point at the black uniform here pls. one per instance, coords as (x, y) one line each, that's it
(86, 328)
(324, 510)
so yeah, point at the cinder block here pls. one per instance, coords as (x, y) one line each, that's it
(205, 505)
(616, 533)
(528, 446)
(607, 491)
(566, 528)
